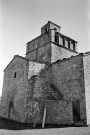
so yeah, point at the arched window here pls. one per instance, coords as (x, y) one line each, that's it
(10, 109)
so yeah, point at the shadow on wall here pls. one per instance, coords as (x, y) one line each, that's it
(14, 125)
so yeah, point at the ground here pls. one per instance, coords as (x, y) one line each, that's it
(9, 127)
(52, 131)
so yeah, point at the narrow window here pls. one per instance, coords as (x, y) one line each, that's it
(57, 38)
(73, 43)
(15, 74)
(74, 46)
(63, 41)
(69, 44)
(46, 29)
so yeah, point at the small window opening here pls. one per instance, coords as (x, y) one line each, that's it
(15, 74)
(68, 44)
(63, 41)
(46, 29)
(73, 43)
(57, 38)
(74, 46)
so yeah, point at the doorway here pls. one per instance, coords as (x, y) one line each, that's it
(76, 110)
(10, 109)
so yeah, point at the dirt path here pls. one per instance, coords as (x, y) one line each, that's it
(55, 131)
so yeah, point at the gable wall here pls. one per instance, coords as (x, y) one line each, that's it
(14, 88)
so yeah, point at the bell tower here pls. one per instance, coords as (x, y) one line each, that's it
(50, 26)
(51, 45)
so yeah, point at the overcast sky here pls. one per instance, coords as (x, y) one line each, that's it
(21, 21)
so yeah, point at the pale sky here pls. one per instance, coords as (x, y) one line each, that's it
(21, 21)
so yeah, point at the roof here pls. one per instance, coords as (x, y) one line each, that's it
(54, 24)
(87, 53)
(69, 58)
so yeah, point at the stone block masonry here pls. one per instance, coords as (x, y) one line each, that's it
(50, 85)
(66, 79)
(58, 85)
(15, 86)
(86, 61)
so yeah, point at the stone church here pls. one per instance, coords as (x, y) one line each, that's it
(50, 85)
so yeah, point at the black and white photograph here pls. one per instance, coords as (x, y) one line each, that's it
(44, 67)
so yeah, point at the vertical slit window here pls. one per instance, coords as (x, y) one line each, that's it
(74, 46)
(46, 29)
(63, 41)
(57, 38)
(69, 44)
(15, 74)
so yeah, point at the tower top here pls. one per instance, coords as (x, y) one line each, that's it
(51, 45)
(50, 25)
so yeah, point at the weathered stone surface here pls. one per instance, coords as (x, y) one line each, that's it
(57, 85)
(66, 79)
(86, 62)
(59, 112)
(46, 49)
(58, 52)
(48, 78)
(34, 68)
(14, 87)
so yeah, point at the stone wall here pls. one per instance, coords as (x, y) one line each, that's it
(34, 68)
(51, 46)
(39, 49)
(58, 52)
(14, 88)
(58, 85)
(59, 112)
(44, 53)
(38, 42)
(68, 77)
(86, 61)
